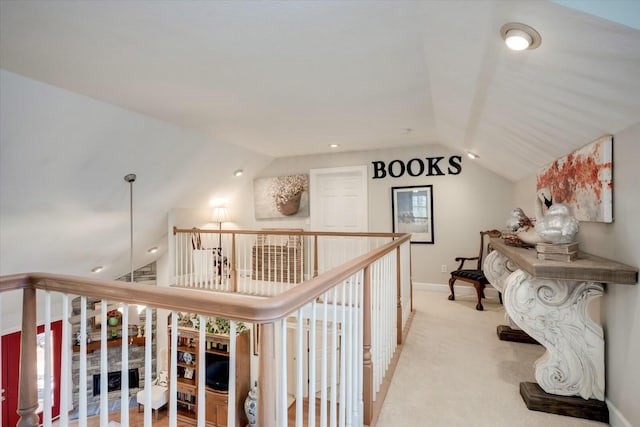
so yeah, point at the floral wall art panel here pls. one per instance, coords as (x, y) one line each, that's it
(583, 180)
(281, 196)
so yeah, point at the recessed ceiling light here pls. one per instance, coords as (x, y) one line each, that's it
(472, 155)
(238, 172)
(334, 145)
(519, 36)
(153, 250)
(97, 269)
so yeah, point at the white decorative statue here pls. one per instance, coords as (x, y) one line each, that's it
(558, 225)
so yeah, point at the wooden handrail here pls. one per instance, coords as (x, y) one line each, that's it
(283, 232)
(235, 306)
(206, 302)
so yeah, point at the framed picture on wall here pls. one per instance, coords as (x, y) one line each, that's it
(412, 212)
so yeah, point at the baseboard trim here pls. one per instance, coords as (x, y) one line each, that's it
(616, 419)
(461, 288)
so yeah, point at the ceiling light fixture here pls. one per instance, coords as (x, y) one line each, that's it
(97, 269)
(153, 250)
(334, 145)
(472, 155)
(238, 172)
(519, 36)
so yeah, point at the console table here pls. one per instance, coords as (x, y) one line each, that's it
(548, 300)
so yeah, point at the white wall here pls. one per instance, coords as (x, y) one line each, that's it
(64, 205)
(619, 241)
(464, 204)
(11, 310)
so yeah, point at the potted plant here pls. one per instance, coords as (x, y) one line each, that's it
(287, 191)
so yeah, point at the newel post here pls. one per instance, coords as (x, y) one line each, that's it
(27, 389)
(266, 377)
(367, 363)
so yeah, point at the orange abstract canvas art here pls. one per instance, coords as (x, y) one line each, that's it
(583, 180)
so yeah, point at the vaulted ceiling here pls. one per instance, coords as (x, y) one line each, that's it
(288, 78)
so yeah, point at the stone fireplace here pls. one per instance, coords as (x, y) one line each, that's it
(114, 356)
(114, 381)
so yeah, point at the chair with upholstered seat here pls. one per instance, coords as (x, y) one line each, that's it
(159, 393)
(474, 276)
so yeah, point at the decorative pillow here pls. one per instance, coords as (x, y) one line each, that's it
(163, 378)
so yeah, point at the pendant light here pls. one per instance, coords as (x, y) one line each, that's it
(130, 178)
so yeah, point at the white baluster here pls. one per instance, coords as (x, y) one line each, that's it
(360, 347)
(231, 404)
(323, 360)
(350, 353)
(202, 322)
(295, 240)
(124, 368)
(1, 389)
(343, 352)
(374, 319)
(284, 252)
(248, 266)
(191, 267)
(312, 366)
(375, 327)
(173, 390)
(104, 383)
(385, 307)
(65, 358)
(333, 415)
(176, 259)
(82, 400)
(263, 292)
(299, 370)
(283, 372)
(148, 362)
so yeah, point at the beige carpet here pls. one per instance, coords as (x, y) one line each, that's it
(454, 372)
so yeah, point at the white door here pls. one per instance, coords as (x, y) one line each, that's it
(338, 201)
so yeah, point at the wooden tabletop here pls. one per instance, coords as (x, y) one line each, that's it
(587, 268)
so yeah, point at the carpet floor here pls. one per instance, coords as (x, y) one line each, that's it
(454, 372)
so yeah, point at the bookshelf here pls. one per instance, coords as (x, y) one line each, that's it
(216, 351)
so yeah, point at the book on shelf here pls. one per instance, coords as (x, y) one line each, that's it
(560, 248)
(572, 256)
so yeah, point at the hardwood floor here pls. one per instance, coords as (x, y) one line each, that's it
(136, 419)
(291, 412)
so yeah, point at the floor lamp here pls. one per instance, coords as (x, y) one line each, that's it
(220, 214)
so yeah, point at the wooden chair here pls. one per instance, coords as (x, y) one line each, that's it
(476, 276)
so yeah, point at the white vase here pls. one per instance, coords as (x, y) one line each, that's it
(251, 406)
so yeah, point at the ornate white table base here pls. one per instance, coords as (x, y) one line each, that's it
(554, 312)
(497, 269)
(549, 301)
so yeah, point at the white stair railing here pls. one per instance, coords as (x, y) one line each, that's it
(266, 262)
(344, 321)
